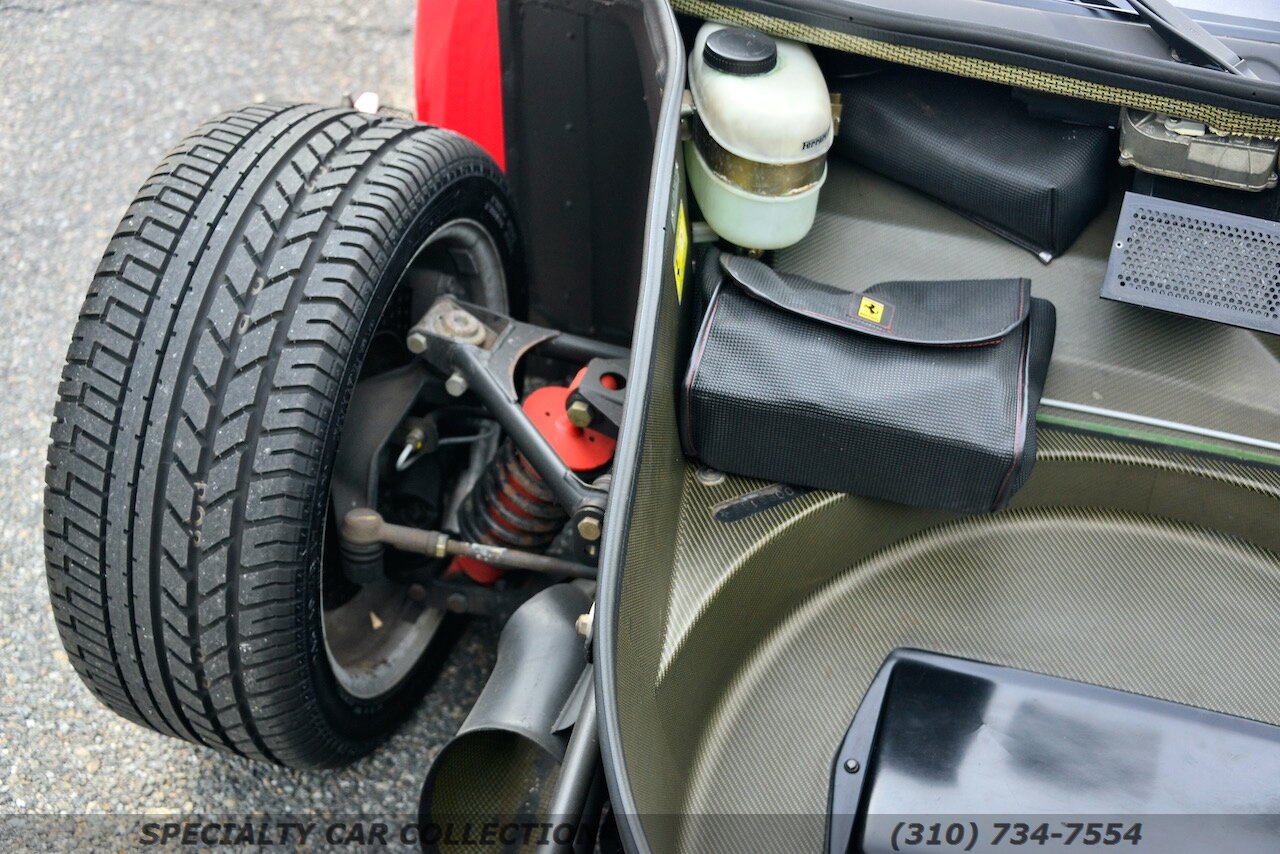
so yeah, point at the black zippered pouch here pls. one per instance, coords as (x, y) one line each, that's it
(923, 393)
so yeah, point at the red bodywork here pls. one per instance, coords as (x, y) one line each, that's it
(458, 70)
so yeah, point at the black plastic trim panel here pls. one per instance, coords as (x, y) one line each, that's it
(979, 749)
(1106, 51)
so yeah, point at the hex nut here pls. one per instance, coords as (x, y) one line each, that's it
(579, 413)
(589, 528)
(456, 385)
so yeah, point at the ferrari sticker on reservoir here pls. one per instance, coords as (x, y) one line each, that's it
(681, 252)
(871, 310)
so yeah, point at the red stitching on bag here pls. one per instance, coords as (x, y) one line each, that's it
(1020, 434)
(991, 343)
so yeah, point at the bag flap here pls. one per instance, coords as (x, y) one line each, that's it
(944, 314)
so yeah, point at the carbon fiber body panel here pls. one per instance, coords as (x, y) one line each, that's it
(739, 623)
(1109, 598)
(743, 647)
(774, 625)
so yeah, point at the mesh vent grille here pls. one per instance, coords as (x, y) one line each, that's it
(1196, 261)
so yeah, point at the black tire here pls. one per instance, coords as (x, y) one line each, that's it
(199, 413)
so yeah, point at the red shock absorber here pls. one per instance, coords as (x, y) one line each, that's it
(510, 504)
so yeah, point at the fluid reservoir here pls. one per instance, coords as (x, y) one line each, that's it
(760, 135)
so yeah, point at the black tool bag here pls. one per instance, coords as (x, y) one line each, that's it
(922, 393)
(973, 147)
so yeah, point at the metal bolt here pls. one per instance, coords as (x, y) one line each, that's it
(416, 342)
(579, 413)
(456, 385)
(417, 592)
(583, 623)
(708, 476)
(687, 106)
(589, 528)
(456, 602)
(852, 766)
(460, 323)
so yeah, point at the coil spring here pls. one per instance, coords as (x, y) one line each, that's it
(510, 505)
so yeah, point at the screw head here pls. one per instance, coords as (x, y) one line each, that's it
(589, 528)
(416, 342)
(852, 766)
(708, 476)
(456, 602)
(579, 413)
(456, 385)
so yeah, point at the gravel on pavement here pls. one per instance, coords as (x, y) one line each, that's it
(92, 94)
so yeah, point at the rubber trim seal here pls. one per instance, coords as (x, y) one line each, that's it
(1225, 102)
(660, 22)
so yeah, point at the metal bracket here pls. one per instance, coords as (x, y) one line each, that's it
(465, 597)
(479, 351)
(598, 400)
(380, 404)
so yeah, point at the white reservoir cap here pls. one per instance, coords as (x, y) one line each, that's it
(761, 98)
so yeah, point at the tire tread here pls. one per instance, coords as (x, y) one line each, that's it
(192, 418)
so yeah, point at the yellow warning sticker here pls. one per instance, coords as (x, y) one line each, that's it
(681, 252)
(871, 310)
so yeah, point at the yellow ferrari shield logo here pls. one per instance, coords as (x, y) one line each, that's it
(871, 310)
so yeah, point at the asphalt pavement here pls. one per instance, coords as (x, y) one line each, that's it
(92, 94)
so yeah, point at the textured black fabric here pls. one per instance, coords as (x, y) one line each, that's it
(779, 394)
(968, 312)
(974, 147)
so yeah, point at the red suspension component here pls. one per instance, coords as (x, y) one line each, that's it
(510, 505)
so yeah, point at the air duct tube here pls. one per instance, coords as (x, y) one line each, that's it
(500, 770)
